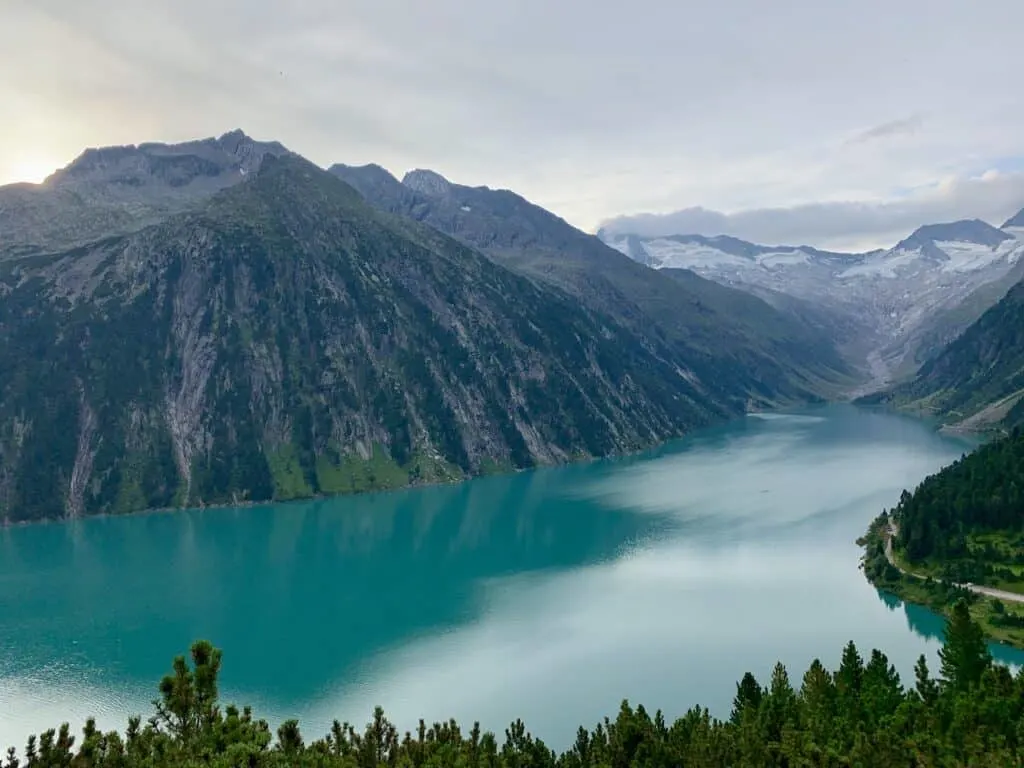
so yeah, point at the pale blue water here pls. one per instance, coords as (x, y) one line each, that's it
(549, 595)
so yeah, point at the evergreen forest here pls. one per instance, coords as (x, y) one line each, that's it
(861, 714)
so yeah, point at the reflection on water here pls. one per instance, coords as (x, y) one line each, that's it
(930, 625)
(298, 595)
(347, 561)
(548, 595)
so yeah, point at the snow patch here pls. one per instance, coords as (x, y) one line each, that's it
(968, 257)
(784, 258)
(891, 292)
(670, 254)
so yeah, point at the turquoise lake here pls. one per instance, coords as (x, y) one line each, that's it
(548, 595)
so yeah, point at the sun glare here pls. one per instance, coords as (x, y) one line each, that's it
(31, 168)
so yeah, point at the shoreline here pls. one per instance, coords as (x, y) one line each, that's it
(577, 460)
(571, 461)
(249, 504)
(938, 595)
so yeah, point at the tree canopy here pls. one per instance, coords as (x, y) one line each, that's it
(980, 492)
(857, 715)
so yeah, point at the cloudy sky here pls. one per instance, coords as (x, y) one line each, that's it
(837, 124)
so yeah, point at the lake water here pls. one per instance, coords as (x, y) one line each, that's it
(549, 595)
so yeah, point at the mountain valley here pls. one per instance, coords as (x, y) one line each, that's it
(222, 321)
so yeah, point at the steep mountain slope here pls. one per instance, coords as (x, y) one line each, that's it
(796, 327)
(945, 326)
(979, 377)
(113, 190)
(1015, 222)
(904, 302)
(535, 242)
(287, 339)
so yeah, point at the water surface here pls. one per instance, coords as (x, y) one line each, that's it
(549, 595)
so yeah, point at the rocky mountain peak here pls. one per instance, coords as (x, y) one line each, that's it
(247, 151)
(117, 189)
(427, 182)
(94, 160)
(174, 164)
(964, 231)
(371, 175)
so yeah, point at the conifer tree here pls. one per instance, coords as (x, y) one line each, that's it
(965, 655)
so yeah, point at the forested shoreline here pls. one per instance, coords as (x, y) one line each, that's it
(963, 525)
(860, 714)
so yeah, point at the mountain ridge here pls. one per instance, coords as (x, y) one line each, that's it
(975, 231)
(535, 242)
(285, 339)
(1015, 221)
(116, 189)
(233, 323)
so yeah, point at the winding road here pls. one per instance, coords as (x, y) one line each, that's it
(999, 594)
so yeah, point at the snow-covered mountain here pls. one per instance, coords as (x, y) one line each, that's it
(894, 295)
(1015, 225)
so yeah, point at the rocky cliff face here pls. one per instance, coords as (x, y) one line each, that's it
(740, 345)
(284, 339)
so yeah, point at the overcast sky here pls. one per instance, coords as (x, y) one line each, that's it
(840, 124)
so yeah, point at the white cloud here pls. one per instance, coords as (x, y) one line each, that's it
(991, 196)
(889, 129)
(590, 107)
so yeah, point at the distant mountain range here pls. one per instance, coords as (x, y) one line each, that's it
(902, 305)
(222, 321)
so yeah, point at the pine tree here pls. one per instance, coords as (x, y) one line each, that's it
(188, 697)
(926, 688)
(850, 673)
(964, 656)
(748, 695)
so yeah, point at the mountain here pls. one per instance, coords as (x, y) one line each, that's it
(284, 339)
(946, 325)
(768, 367)
(967, 231)
(796, 327)
(693, 251)
(894, 308)
(1015, 222)
(119, 189)
(978, 379)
